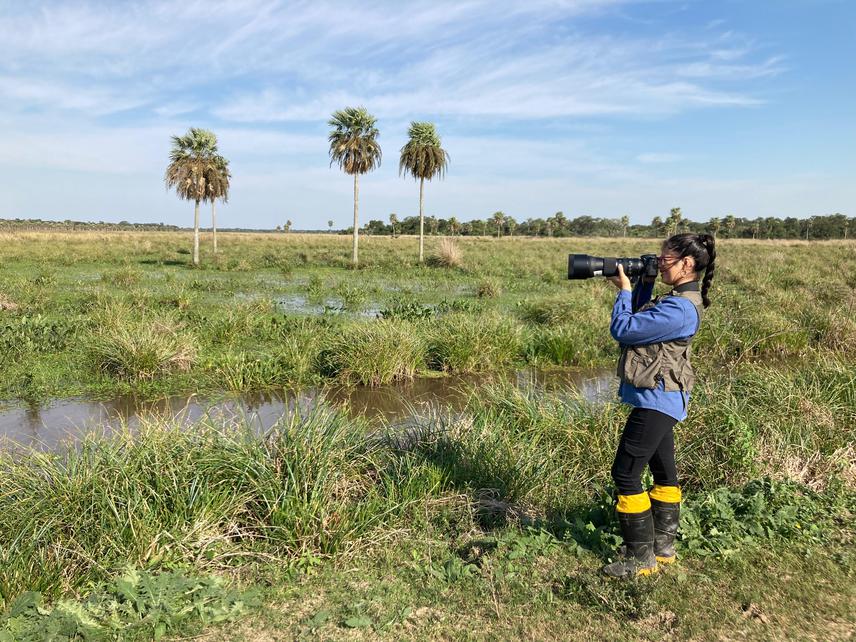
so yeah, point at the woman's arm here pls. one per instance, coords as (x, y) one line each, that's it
(642, 292)
(666, 321)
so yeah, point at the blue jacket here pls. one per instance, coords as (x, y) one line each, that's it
(672, 318)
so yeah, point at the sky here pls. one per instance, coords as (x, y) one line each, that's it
(596, 107)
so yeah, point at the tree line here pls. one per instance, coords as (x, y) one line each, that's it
(833, 226)
(37, 224)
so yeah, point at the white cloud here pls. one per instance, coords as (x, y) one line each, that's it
(273, 61)
(528, 97)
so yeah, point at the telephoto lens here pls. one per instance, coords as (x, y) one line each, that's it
(585, 266)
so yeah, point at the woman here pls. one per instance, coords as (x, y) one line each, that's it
(656, 379)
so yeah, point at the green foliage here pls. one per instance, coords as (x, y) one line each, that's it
(488, 289)
(422, 156)
(408, 310)
(136, 604)
(207, 497)
(27, 335)
(354, 298)
(463, 343)
(124, 277)
(375, 353)
(134, 351)
(724, 521)
(353, 140)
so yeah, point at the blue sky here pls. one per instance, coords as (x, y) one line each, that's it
(598, 107)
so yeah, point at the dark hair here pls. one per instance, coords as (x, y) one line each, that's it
(702, 247)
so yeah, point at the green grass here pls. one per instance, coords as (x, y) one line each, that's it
(316, 485)
(486, 524)
(771, 300)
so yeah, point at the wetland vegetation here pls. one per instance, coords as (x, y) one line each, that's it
(486, 522)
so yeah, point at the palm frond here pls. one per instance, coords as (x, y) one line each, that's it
(353, 140)
(423, 156)
(196, 170)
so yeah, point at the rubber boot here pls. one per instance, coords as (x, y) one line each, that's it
(637, 554)
(666, 516)
(666, 507)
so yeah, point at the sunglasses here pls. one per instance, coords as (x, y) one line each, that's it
(667, 260)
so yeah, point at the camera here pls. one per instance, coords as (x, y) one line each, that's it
(584, 266)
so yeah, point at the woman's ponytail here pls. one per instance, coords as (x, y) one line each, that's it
(709, 243)
(702, 247)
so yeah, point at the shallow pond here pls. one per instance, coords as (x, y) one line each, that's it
(62, 420)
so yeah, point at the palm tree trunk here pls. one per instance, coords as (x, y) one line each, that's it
(196, 234)
(421, 220)
(214, 224)
(356, 216)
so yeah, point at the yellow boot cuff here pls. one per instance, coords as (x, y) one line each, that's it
(667, 494)
(633, 503)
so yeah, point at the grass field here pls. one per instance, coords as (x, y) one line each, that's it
(486, 524)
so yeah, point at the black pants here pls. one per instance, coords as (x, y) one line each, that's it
(647, 439)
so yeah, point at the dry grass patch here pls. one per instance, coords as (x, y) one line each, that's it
(448, 255)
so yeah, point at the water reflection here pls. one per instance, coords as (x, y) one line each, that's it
(47, 426)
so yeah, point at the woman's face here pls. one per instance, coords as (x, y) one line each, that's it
(675, 270)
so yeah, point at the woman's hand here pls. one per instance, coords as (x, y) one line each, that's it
(620, 280)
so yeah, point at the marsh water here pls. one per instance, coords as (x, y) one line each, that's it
(60, 421)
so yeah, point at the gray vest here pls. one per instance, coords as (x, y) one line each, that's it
(644, 366)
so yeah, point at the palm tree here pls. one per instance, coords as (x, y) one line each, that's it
(730, 224)
(422, 157)
(354, 147)
(714, 225)
(560, 222)
(512, 225)
(657, 224)
(453, 225)
(218, 187)
(675, 218)
(498, 220)
(192, 163)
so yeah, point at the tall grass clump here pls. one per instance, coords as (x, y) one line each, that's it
(448, 255)
(123, 277)
(292, 362)
(462, 342)
(538, 451)
(139, 349)
(488, 289)
(373, 354)
(203, 497)
(572, 344)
